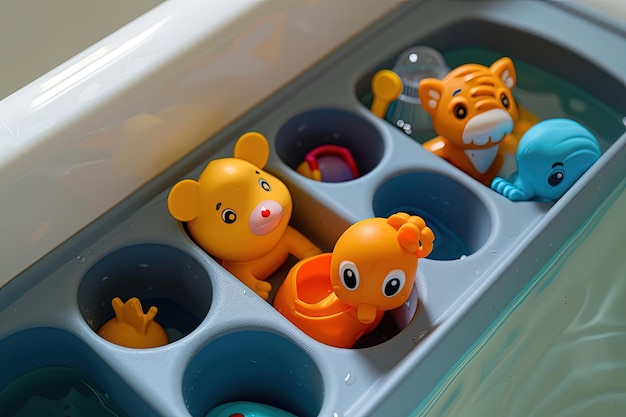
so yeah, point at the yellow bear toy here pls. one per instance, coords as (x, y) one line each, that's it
(240, 214)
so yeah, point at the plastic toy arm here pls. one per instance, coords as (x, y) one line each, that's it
(510, 190)
(437, 145)
(299, 245)
(243, 273)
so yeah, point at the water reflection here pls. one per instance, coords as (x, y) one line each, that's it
(560, 350)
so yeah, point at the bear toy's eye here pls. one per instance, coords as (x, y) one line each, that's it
(264, 184)
(349, 275)
(229, 216)
(505, 100)
(393, 283)
(556, 177)
(460, 111)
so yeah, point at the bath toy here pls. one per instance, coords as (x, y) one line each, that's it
(551, 157)
(329, 163)
(338, 297)
(239, 213)
(247, 409)
(473, 111)
(412, 65)
(131, 327)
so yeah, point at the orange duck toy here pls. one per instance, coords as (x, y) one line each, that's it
(338, 297)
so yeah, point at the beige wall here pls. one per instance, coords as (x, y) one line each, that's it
(38, 35)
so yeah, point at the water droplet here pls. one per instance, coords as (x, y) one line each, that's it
(254, 360)
(143, 265)
(349, 379)
(105, 278)
(419, 336)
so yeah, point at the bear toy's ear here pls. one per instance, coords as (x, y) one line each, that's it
(429, 92)
(183, 200)
(505, 70)
(253, 147)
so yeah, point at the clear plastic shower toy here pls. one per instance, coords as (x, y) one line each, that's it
(412, 66)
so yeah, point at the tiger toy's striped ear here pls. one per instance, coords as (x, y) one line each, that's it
(505, 70)
(430, 91)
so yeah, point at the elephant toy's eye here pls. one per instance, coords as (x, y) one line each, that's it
(229, 216)
(349, 275)
(264, 184)
(460, 111)
(393, 283)
(557, 175)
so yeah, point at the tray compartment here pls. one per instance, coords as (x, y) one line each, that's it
(46, 367)
(253, 365)
(159, 275)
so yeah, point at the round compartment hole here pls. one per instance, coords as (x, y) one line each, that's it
(457, 217)
(49, 372)
(158, 275)
(254, 366)
(324, 136)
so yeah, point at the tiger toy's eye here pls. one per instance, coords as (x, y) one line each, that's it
(460, 111)
(505, 101)
(264, 184)
(349, 275)
(229, 216)
(393, 283)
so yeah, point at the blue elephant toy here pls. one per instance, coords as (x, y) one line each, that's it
(551, 156)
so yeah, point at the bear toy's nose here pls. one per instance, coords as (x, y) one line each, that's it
(265, 217)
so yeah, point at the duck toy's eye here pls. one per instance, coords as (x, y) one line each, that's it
(393, 283)
(349, 275)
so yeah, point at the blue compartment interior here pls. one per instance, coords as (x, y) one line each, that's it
(253, 365)
(159, 275)
(52, 372)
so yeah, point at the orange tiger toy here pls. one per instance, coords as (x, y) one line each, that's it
(475, 116)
